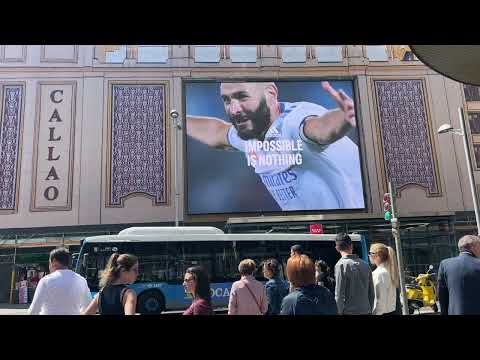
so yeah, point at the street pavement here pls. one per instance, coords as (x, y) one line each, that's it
(13, 309)
(16, 309)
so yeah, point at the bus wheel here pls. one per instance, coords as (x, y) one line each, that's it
(150, 303)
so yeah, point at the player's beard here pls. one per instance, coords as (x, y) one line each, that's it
(260, 119)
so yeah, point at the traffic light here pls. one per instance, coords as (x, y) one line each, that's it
(387, 206)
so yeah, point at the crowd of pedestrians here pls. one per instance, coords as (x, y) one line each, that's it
(311, 289)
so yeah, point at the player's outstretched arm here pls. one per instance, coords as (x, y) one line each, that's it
(334, 124)
(208, 130)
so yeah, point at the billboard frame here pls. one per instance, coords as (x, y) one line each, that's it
(361, 145)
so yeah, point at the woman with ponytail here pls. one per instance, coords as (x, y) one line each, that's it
(115, 298)
(385, 279)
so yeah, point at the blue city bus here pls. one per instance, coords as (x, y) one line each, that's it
(166, 252)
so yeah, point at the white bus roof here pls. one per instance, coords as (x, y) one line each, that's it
(170, 230)
(214, 237)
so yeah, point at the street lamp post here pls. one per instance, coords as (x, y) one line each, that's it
(176, 126)
(447, 128)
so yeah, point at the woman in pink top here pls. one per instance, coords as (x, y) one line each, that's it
(248, 296)
(196, 284)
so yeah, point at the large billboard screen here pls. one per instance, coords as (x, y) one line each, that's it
(272, 146)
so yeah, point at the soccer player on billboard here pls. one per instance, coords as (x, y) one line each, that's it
(298, 149)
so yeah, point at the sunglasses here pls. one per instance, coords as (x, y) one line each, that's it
(188, 280)
(372, 253)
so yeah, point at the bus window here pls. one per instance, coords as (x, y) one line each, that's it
(258, 251)
(226, 267)
(96, 262)
(217, 258)
(316, 250)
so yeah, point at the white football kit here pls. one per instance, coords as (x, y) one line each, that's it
(298, 173)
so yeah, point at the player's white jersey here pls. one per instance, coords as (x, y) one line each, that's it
(298, 173)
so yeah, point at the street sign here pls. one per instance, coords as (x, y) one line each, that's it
(316, 229)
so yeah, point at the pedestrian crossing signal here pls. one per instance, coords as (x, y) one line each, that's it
(387, 207)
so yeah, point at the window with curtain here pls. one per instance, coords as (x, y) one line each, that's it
(243, 53)
(152, 54)
(207, 54)
(329, 53)
(377, 52)
(294, 54)
(115, 54)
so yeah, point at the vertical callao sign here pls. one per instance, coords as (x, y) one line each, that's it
(54, 143)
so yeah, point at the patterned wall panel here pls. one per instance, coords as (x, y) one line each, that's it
(472, 93)
(474, 120)
(10, 150)
(476, 149)
(137, 152)
(406, 136)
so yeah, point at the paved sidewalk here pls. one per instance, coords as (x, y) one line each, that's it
(13, 309)
(16, 309)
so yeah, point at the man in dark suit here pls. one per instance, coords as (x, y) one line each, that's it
(459, 279)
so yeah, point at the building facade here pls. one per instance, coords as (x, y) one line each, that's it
(71, 152)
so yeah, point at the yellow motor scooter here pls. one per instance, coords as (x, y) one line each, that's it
(421, 291)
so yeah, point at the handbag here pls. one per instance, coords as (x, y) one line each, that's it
(254, 298)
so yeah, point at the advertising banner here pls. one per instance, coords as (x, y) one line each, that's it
(274, 146)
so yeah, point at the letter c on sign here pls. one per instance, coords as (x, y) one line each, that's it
(52, 96)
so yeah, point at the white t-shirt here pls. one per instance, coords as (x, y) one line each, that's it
(298, 173)
(385, 291)
(62, 292)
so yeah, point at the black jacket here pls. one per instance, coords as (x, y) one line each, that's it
(459, 285)
(309, 300)
(328, 282)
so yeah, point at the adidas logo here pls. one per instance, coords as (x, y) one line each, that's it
(273, 132)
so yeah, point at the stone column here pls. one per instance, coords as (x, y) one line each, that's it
(180, 55)
(355, 55)
(269, 55)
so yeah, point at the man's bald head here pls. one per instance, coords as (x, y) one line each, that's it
(251, 107)
(255, 89)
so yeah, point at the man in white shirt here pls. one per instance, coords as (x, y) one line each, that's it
(62, 292)
(299, 150)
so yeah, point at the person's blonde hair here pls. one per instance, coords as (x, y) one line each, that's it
(247, 267)
(389, 259)
(115, 265)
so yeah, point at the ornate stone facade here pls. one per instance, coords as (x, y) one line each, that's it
(405, 134)
(138, 142)
(10, 133)
(474, 120)
(472, 93)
